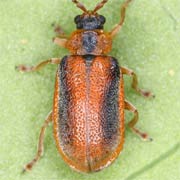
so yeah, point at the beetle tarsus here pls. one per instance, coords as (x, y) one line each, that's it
(147, 94)
(142, 135)
(28, 167)
(24, 68)
(59, 31)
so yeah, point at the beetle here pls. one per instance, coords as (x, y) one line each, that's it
(89, 103)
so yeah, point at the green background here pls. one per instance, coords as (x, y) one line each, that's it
(149, 43)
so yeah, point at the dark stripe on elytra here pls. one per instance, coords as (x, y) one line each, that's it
(110, 106)
(64, 133)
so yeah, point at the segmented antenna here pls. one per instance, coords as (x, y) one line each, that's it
(100, 5)
(79, 5)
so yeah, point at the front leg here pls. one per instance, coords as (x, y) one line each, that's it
(60, 41)
(59, 31)
(118, 27)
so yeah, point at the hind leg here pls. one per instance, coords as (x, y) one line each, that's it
(39, 153)
(132, 123)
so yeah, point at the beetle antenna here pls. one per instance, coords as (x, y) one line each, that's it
(100, 5)
(79, 5)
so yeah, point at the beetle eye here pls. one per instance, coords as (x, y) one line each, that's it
(102, 19)
(77, 19)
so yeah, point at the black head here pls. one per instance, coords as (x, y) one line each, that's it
(89, 21)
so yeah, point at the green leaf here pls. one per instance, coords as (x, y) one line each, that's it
(149, 43)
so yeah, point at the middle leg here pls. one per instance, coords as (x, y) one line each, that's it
(134, 85)
(26, 68)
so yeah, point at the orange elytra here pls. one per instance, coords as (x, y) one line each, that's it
(89, 103)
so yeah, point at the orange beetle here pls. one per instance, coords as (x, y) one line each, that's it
(88, 109)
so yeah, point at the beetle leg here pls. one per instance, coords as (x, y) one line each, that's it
(134, 85)
(60, 41)
(25, 68)
(40, 144)
(117, 28)
(58, 30)
(132, 123)
(61, 36)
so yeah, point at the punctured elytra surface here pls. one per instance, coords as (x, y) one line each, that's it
(88, 111)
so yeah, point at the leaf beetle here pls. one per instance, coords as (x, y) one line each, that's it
(89, 103)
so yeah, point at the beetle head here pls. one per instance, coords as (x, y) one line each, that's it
(89, 20)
